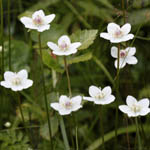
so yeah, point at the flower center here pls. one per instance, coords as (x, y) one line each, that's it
(122, 54)
(63, 46)
(16, 81)
(68, 105)
(118, 34)
(135, 108)
(38, 21)
(100, 95)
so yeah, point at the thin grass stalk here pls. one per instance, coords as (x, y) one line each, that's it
(127, 134)
(101, 127)
(138, 134)
(2, 40)
(44, 89)
(9, 34)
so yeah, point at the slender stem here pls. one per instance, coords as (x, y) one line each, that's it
(1, 35)
(101, 127)
(63, 130)
(44, 88)
(9, 35)
(77, 145)
(128, 141)
(138, 134)
(117, 91)
(68, 78)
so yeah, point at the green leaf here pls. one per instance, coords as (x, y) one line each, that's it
(51, 62)
(80, 58)
(86, 37)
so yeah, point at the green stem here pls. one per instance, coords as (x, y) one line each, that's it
(9, 35)
(77, 145)
(44, 88)
(1, 36)
(101, 127)
(68, 78)
(138, 134)
(63, 130)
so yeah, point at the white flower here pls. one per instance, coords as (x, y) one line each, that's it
(126, 56)
(64, 47)
(16, 81)
(7, 124)
(67, 105)
(116, 34)
(100, 96)
(39, 21)
(135, 108)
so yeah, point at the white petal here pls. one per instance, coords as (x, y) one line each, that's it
(127, 37)
(53, 46)
(131, 60)
(144, 102)
(17, 88)
(76, 99)
(8, 75)
(38, 13)
(131, 101)
(89, 99)
(63, 99)
(131, 51)
(126, 28)
(49, 18)
(105, 36)
(107, 100)
(6, 84)
(65, 53)
(75, 45)
(64, 111)
(114, 51)
(55, 106)
(112, 27)
(145, 111)
(125, 109)
(23, 74)
(93, 91)
(116, 40)
(65, 39)
(122, 63)
(43, 28)
(28, 22)
(107, 90)
(27, 83)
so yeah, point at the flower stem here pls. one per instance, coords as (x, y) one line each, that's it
(117, 91)
(68, 78)
(138, 134)
(101, 127)
(9, 34)
(44, 88)
(1, 35)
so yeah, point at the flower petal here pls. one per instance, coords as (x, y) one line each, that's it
(27, 83)
(43, 28)
(53, 46)
(65, 111)
(63, 99)
(28, 22)
(65, 39)
(112, 27)
(75, 45)
(131, 60)
(114, 51)
(122, 63)
(38, 13)
(23, 74)
(5, 84)
(107, 90)
(126, 28)
(105, 36)
(127, 37)
(107, 100)
(16, 88)
(144, 111)
(8, 75)
(65, 53)
(49, 18)
(91, 99)
(93, 91)
(144, 102)
(131, 101)
(131, 51)
(55, 106)
(124, 108)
